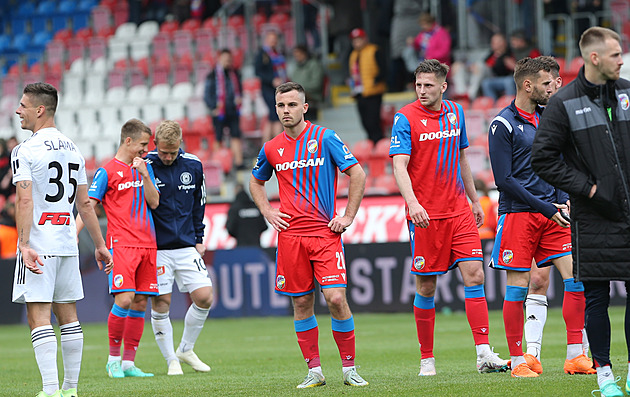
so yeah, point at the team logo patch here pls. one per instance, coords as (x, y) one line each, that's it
(312, 146)
(160, 270)
(118, 280)
(625, 102)
(185, 178)
(280, 281)
(508, 255)
(418, 262)
(452, 118)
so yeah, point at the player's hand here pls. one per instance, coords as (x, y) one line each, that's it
(102, 255)
(140, 165)
(559, 219)
(201, 249)
(339, 224)
(419, 216)
(31, 259)
(477, 211)
(277, 219)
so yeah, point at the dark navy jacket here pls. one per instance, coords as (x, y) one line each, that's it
(179, 217)
(510, 139)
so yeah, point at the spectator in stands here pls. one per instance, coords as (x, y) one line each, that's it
(500, 65)
(521, 47)
(433, 42)
(404, 24)
(244, 221)
(8, 230)
(223, 97)
(271, 68)
(367, 82)
(309, 73)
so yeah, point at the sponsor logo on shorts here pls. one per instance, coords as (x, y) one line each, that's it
(477, 252)
(280, 281)
(312, 146)
(330, 279)
(508, 255)
(418, 262)
(153, 286)
(160, 270)
(566, 247)
(118, 280)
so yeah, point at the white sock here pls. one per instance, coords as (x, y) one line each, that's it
(346, 369)
(604, 374)
(585, 344)
(535, 318)
(517, 360)
(113, 358)
(45, 347)
(483, 350)
(193, 324)
(163, 331)
(574, 350)
(126, 364)
(71, 351)
(317, 370)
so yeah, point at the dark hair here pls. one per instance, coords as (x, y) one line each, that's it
(225, 51)
(440, 70)
(553, 64)
(42, 94)
(594, 35)
(133, 129)
(529, 68)
(290, 86)
(302, 48)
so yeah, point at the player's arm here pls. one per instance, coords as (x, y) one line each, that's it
(355, 195)
(273, 215)
(79, 221)
(198, 210)
(417, 213)
(23, 221)
(151, 194)
(89, 219)
(469, 186)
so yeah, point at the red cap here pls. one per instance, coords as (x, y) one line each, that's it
(358, 32)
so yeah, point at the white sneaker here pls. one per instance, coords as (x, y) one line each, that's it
(191, 359)
(427, 367)
(491, 363)
(352, 378)
(175, 368)
(313, 379)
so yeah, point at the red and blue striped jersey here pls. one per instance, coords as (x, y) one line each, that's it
(433, 141)
(120, 189)
(306, 169)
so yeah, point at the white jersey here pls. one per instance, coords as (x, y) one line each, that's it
(56, 168)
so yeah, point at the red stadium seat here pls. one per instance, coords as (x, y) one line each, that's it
(379, 160)
(191, 25)
(169, 27)
(63, 35)
(482, 103)
(224, 157)
(362, 150)
(561, 63)
(504, 101)
(572, 70)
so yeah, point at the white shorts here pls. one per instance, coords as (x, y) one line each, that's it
(60, 282)
(185, 266)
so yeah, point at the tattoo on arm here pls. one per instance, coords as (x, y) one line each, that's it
(25, 184)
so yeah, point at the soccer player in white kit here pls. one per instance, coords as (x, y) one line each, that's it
(49, 173)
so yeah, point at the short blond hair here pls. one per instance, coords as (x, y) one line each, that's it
(169, 132)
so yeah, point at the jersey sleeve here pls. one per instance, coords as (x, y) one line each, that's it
(339, 151)
(401, 136)
(199, 205)
(98, 188)
(463, 135)
(262, 169)
(152, 176)
(21, 165)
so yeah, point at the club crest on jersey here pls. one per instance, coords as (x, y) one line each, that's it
(118, 280)
(281, 151)
(452, 118)
(185, 178)
(508, 255)
(418, 262)
(280, 281)
(312, 146)
(625, 102)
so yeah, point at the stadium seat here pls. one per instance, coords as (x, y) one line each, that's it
(182, 43)
(161, 45)
(55, 52)
(121, 12)
(182, 91)
(136, 77)
(116, 78)
(382, 185)
(118, 49)
(562, 63)
(108, 114)
(95, 82)
(202, 126)
(475, 124)
(191, 25)
(105, 32)
(115, 95)
(213, 176)
(224, 157)
(159, 93)
(160, 74)
(147, 30)
(152, 112)
(140, 49)
(201, 71)
(169, 27)
(572, 70)
(97, 47)
(126, 32)
(128, 112)
(45, 9)
(196, 108)
(503, 101)
(379, 159)
(213, 24)
(482, 103)
(477, 158)
(204, 42)
(143, 65)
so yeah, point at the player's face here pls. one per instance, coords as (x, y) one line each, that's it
(139, 146)
(610, 61)
(543, 87)
(290, 108)
(167, 152)
(28, 113)
(430, 90)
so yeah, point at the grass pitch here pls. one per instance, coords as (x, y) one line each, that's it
(260, 357)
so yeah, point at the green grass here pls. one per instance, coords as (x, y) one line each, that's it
(260, 356)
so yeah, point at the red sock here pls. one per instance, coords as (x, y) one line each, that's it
(132, 335)
(346, 345)
(116, 328)
(573, 313)
(477, 314)
(309, 344)
(425, 324)
(513, 320)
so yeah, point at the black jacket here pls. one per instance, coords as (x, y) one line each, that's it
(577, 145)
(245, 222)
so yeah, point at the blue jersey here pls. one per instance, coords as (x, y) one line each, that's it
(179, 217)
(510, 139)
(306, 169)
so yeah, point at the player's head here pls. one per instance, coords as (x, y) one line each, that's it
(431, 82)
(601, 51)
(534, 80)
(291, 104)
(134, 138)
(168, 137)
(555, 69)
(37, 106)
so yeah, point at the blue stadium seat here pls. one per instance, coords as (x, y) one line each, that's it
(60, 19)
(81, 16)
(42, 15)
(39, 41)
(21, 17)
(5, 43)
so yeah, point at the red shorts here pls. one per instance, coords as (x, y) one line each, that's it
(523, 236)
(134, 270)
(302, 259)
(439, 247)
